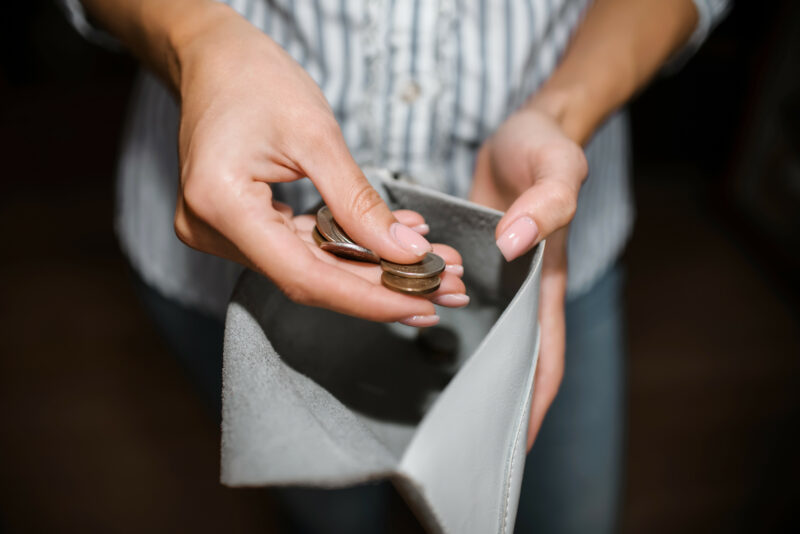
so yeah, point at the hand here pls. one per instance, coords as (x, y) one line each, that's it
(251, 117)
(532, 169)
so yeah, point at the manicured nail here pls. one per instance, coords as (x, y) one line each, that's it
(421, 229)
(455, 269)
(409, 239)
(420, 320)
(452, 300)
(518, 238)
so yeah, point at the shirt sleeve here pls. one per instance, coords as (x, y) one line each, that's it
(77, 16)
(709, 13)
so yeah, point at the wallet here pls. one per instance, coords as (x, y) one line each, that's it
(318, 399)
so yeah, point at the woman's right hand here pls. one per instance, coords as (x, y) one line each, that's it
(252, 117)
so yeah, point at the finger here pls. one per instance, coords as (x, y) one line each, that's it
(451, 291)
(453, 262)
(282, 208)
(450, 282)
(410, 218)
(277, 252)
(550, 367)
(285, 211)
(413, 220)
(305, 223)
(198, 234)
(451, 257)
(549, 204)
(357, 207)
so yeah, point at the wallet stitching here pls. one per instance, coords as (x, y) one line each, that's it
(520, 423)
(511, 471)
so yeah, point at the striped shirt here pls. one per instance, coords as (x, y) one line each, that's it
(416, 86)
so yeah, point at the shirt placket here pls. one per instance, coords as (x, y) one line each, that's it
(407, 108)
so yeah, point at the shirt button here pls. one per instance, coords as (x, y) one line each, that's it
(410, 92)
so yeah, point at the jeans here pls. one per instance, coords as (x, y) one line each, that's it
(573, 475)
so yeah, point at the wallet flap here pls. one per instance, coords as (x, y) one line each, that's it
(315, 398)
(470, 446)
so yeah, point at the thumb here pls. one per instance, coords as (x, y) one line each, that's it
(360, 210)
(541, 210)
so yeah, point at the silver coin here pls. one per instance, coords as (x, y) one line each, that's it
(410, 286)
(351, 251)
(329, 228)
(431, 265)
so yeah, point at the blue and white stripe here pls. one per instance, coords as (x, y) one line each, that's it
(417, 86)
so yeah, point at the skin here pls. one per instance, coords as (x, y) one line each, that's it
(251, 117)
(533, 165)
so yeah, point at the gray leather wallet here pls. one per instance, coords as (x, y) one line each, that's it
(314, 398)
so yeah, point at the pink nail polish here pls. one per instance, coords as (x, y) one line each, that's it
(518, 238)
(409, 239)
(455, 269)
(421, 229)
(420, 320)
(452, 300)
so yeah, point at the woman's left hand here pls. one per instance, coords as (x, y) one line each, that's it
(530, 168)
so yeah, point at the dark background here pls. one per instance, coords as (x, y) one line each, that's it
(101, 430)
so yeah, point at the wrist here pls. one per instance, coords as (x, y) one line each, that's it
(184, 32)
(566, 106)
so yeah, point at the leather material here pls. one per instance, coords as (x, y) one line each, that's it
(314, 398)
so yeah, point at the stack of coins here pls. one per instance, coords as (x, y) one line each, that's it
(332, 238)
(414, 279)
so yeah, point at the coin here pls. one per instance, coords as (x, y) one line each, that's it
(350, 251)
(410, 286)
(431, 265)
(318, 239)
(329, 228)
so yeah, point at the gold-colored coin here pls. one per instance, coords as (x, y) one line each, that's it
(431, 265)
(410, 286)
(351, 251)
(317, 236)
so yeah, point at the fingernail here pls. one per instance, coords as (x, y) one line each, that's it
(455, 269)
(421, 229)
(518, 238)
(452, 300)
(420, 320)
(409, 239)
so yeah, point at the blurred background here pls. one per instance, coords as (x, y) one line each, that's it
(100, 430)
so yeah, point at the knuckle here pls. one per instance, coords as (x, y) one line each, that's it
(565, 157)
(325, 130)
(297, 291)
(196, 196)
(364, 200)
(564, 199)
(183, 229)
(327, 127)
(581, 163)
